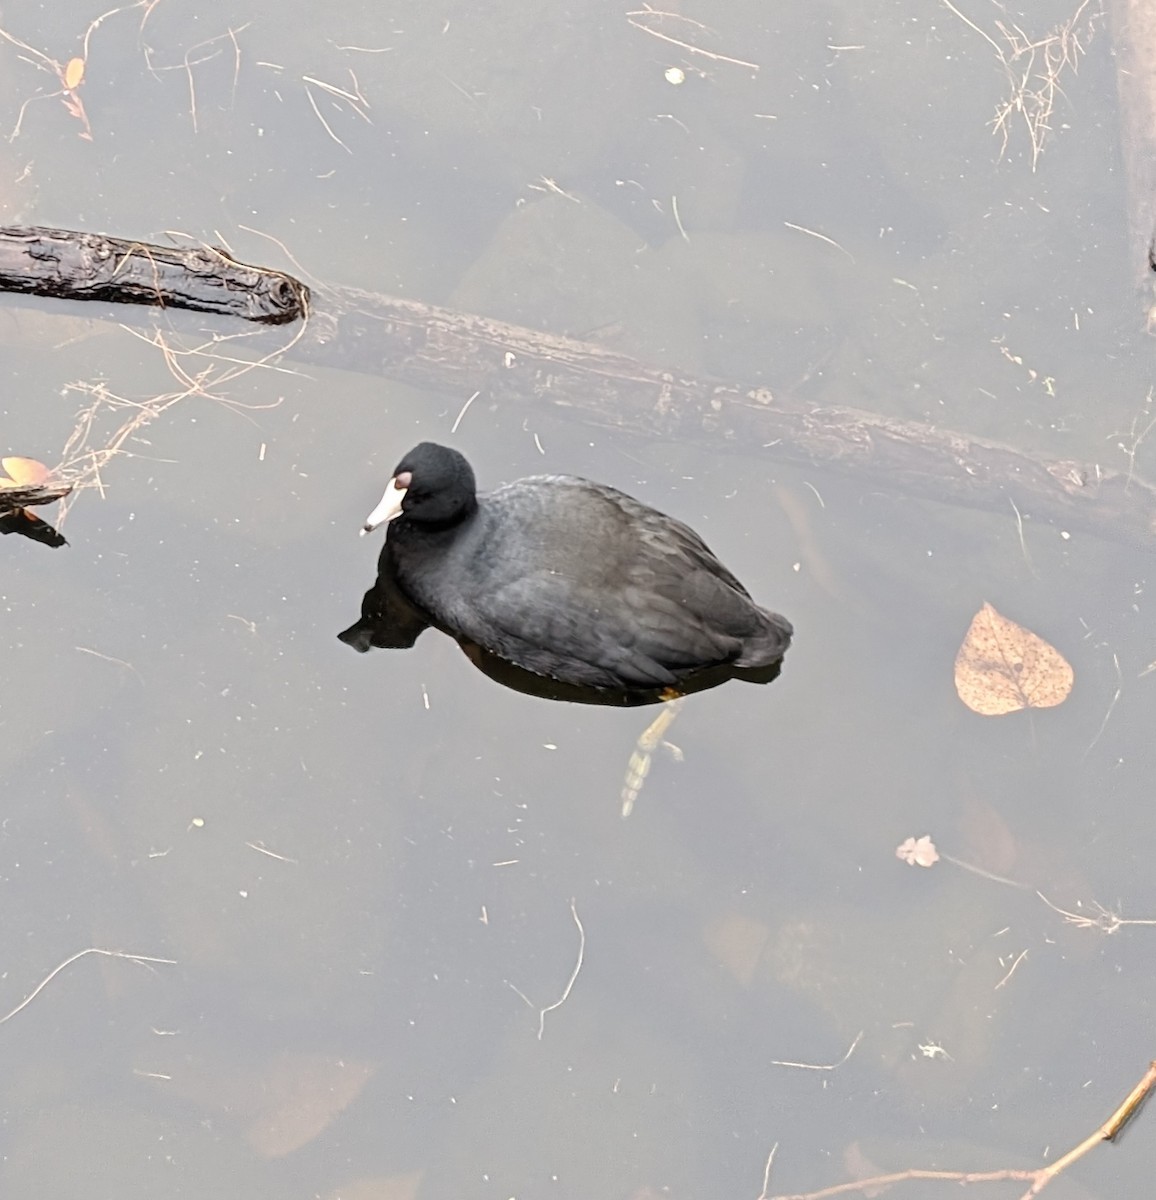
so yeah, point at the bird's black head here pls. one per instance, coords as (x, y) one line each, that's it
(432, 486)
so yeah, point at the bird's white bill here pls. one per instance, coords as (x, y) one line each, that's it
(388, 508)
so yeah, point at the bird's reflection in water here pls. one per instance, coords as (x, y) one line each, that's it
(390, 622)
(28, 524)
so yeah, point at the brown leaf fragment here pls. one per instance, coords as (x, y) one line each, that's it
(302, 1095)
(737, 942)
(1003, 667)
(859, 1166)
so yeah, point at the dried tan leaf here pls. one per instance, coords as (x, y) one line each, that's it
(73, 73)
(1003, 667)
(23, 472)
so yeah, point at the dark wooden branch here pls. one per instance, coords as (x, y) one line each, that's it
(88, 266)
(12, 498)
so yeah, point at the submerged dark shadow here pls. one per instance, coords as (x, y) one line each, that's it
(390, 622)
(26, 524)
(551, 689)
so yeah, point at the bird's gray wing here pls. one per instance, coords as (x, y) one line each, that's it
(632, 635)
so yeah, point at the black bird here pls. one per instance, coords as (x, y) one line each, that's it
(559, 586)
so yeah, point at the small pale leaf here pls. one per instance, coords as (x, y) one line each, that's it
(918, 852)
(24, 472)
(73, 73)
(1003, 667)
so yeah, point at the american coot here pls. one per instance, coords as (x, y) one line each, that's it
(559, 586)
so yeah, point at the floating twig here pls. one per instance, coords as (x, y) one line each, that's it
(569, 983)
(1037, 1179)
(137, 958)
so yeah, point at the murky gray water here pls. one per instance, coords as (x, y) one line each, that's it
(374, 875)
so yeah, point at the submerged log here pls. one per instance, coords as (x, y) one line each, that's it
(437, 348)
(459, 353)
